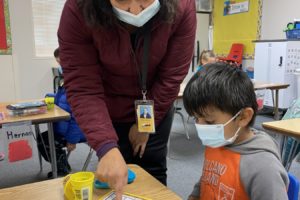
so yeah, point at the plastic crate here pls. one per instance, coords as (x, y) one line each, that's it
(293, 34)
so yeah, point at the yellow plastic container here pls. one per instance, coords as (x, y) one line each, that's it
(79, 186)
(50, 102)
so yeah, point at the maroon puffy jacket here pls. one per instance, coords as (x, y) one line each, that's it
(100, 72)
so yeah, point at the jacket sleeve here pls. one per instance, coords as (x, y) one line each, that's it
(176, 63)
(82, 79)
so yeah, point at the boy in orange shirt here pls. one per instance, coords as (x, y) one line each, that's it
(240, 163)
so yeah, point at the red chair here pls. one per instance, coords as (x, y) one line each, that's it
(235, 55)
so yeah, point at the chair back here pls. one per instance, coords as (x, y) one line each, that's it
(236, 53)
(293, 190)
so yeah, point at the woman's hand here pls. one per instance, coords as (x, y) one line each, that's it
(138, 140)
(112, 169)
(70, 147)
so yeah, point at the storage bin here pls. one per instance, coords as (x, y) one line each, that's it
(293, 34)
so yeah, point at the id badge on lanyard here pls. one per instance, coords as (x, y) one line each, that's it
(144, 109)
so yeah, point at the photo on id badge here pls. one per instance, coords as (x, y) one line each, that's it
(145, 118)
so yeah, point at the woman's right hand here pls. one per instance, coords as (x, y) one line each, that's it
(113, 170)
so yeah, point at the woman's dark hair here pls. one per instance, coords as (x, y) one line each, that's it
(222, 86)
(99, 13)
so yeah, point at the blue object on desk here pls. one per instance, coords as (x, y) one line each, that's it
(102, 185)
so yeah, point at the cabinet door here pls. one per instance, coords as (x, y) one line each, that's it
(278, 62)
(262, 61)
(276, 70)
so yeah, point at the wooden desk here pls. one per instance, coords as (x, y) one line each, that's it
(144, 185)
(53, 115)
(272, 86)
(288, 127)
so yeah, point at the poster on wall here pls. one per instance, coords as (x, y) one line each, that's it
(233, 7)
(5, 35)
(225, 31)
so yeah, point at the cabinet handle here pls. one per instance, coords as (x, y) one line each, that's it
(280, 61)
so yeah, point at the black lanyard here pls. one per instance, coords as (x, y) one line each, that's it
(144, 72)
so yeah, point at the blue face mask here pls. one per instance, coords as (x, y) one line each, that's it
(213, 135)
(140, 19)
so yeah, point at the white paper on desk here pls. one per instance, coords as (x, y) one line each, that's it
(112, 196)
(18, 140)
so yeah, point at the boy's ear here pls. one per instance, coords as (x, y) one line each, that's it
(245, 117)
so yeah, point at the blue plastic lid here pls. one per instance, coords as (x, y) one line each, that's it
(102, 185)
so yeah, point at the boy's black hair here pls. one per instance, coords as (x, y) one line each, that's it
(56, 53)
(221, 86)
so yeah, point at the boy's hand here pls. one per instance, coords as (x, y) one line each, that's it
(70, 147)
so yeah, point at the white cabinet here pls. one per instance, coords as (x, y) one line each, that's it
(275, 62)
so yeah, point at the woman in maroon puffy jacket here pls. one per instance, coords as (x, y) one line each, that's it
(102, 54)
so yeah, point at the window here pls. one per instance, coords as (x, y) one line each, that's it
(46, 16)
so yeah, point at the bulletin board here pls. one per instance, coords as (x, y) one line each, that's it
(243, 27)
(5, 34)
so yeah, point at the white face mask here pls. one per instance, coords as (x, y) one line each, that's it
(213, 135)
(140, 19)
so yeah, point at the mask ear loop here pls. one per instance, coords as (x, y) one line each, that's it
(235, 116)
(236, 134)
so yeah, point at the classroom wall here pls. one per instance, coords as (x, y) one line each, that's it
(22, 75)
(201, 36)
(276, 15)
(7, 81)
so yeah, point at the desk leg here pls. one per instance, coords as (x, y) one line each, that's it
(276, 112)
(37, 134)
(52, 149)
(292, 154)
(283, 147)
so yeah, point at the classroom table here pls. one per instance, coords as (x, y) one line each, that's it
(287, 127)
(144, 185)
(53, 115)
(273, 87)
